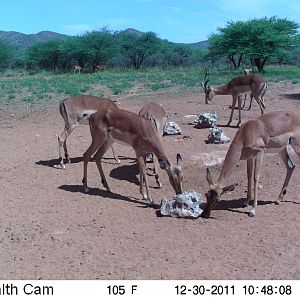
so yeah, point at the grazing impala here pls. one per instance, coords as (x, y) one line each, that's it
(75, 111)
(119, 125)
(155, 113)
(239, 85)
(271, 132)
(77, 68)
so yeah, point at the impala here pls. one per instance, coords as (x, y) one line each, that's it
(155, 113)
(239, 85)
(99, 68)
(77, 68)
(272, 132)
(123, 126)
(75, 111)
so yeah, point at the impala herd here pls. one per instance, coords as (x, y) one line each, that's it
(273, 131)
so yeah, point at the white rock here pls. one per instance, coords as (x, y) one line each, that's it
(217, 136)
(207, 120)
(186, 205)
(172, 128)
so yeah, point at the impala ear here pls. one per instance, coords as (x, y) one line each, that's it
(229, 188)
(208, 177)
(179, 159)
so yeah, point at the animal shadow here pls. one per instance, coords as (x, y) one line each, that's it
(105, 194)
(126, 172)
(234, 205)
(295, 96)
(54, 162)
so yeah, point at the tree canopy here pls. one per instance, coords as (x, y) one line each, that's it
(256, 39)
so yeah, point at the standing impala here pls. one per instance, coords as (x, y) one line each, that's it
(239, 85)
(75, 111)
(155, 113)
(271, 132)
(77, 68)
(120, 125)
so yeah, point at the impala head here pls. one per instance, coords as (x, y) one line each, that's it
(209, 92)
(175, 173)
(214, 194)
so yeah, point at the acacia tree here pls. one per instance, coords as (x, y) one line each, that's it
(229, 42)
(258, 39)
(137, 47)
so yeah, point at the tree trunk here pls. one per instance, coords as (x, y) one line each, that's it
(240, 60)
(259, 63)
(231, 57)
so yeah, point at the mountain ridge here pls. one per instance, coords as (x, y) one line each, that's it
(23, 40)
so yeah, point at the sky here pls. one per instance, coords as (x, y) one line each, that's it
(182, 21)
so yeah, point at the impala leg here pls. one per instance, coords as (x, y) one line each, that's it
(62, 144)
(155, 171)
(262, 98)
(98, 157)
(245, 98)
(143, 178)
(257, 167)
(234, 99)
(251, 99)
(240, 110)
(114, 154)
(250, 174)
(95, 145)
(260, 104)
(289, 171)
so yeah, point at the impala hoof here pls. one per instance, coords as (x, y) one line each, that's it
(151, 202)
(252, 213)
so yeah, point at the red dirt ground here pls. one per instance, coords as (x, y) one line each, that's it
(50, 229)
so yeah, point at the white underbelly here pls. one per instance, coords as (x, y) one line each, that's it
(122, 138)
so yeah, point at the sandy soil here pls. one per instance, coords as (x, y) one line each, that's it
(50, 229)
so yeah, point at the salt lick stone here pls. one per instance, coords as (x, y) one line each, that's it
(172, 128)
(207, 120)
(186, 205)
(217, 136)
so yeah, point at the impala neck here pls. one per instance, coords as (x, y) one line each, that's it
(232, 158)
(221, 90)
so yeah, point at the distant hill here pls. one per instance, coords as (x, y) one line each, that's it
(199, 45)
(23, 41)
